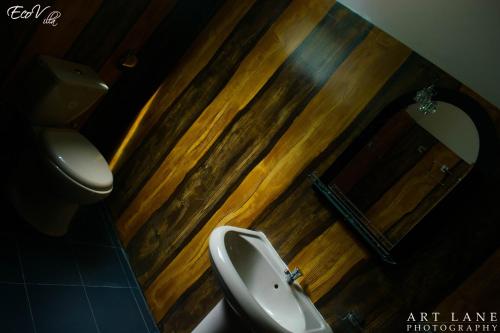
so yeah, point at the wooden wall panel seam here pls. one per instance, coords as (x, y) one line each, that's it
(280, 218)
(389, 169)
(135, 38)
(324, 262)
(479, 291)
(193, 258)
(195, 59)
(433, 262)
(319, 283)
(302, 230)
(137, 35)
(245, 141)
(270, 52)
(399, 229)
(170, 40)
(193, 305)
(148, 162)
(271, 220)
(425, 173)
(108, 32)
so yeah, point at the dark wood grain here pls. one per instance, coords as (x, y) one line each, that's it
(253, 165)
(296, 221)
(191, 309)
(267, 180)
(137, 35)
(373, 151)
(402, 198)
(439, 254)
(245, 142)
(390, 166)
(192, 102)
(481, 290)
(192, 62)
(444, 186)
(173, 36)
(306, 107)
(105, 31)
(272, 50)
(299, 206)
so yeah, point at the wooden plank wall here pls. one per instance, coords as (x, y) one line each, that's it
(98, 33)
(269, 92)
(235, 103)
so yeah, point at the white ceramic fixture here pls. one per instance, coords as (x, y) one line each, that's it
(253, 278)
(57, 169)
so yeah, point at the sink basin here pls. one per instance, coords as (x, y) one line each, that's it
(253, 278)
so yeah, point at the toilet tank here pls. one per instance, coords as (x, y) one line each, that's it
(55, 92)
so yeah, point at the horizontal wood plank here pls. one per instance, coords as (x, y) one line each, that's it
(150, 162)
(306, 138)
(415, 185)
(480, 291)
(269, 53)
(197, 57)
(244, 143)
(433, 261)
(104, 32)
(191, 310)
(135, 38)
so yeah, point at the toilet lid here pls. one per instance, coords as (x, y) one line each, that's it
(77, 157)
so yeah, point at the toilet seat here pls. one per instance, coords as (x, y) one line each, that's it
(77, 158)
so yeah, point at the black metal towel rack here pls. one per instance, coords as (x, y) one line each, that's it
(355, 218)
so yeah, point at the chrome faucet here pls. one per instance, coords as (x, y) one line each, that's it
(293, 275)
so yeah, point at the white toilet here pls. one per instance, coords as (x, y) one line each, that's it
(58, 169)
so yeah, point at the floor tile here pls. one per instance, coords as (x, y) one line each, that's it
(89, 227)
(14, 311)
(111, 229)
(59, 309)
(54, 268)
(100, 266)
(116, 310)
(48, 260)
(146, 313)
(132, 281)
(9, 260)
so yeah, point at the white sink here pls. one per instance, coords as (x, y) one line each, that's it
(253, 278)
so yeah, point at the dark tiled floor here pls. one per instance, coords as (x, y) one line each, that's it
(110, 272)
(108, 316)
(10, 271)
(79, 283)
(49, 261)
(58, 308)
(15, 313)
